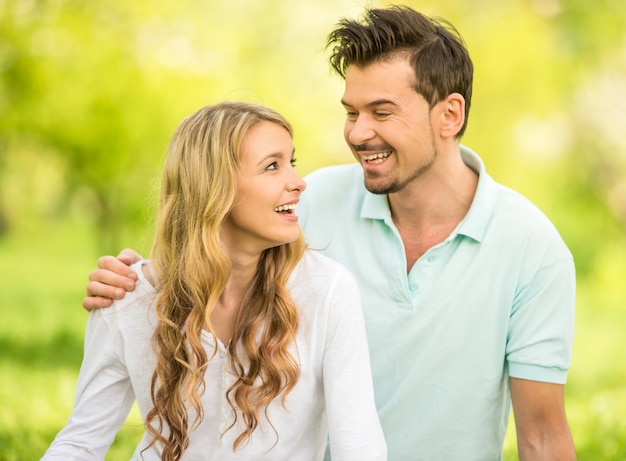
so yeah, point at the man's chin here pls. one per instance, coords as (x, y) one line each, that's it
(377, 187)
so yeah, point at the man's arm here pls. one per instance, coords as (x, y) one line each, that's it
(542, 429)
(111, 280)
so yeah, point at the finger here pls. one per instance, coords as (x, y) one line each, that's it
(129, 256)
(115, 267)
(109, 286)
(95, 302)
(103, 290)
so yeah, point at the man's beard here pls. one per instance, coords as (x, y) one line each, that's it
(396, 184)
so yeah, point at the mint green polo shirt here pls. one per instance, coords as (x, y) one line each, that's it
(494, 300)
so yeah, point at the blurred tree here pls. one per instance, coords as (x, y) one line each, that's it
(591, 186)
(97, 88)
(74, 87)
(91, 92)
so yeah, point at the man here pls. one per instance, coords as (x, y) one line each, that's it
(468, 290)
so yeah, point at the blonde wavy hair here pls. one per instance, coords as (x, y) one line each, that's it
(197, 194)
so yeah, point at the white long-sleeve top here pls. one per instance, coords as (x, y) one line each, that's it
(333, 397)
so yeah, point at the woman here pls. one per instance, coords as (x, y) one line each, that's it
(238, 344)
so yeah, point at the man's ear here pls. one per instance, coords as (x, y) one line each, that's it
(452, 115)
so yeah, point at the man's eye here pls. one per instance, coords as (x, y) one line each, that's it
(382, 114)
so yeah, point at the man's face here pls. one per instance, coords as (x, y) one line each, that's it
(388, 125)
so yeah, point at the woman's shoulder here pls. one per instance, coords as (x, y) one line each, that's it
(314, 262)
(136, 303)
(318, 272)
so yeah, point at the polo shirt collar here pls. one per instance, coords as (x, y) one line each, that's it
(474, 225)
(375, 206)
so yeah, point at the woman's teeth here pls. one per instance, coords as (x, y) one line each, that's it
(287, 208)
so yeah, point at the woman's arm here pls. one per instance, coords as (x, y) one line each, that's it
(354, 428)
(104, 396)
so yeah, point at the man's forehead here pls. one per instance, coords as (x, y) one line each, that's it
(378, 83)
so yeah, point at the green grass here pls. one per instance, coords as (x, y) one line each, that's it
(43, 276)
(41, 340)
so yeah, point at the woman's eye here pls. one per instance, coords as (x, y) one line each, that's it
(272, 166)
(293, 161)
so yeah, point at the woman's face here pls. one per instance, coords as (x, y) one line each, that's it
(268, 190)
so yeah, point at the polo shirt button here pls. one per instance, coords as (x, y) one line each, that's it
(431, 258)
(413, 287)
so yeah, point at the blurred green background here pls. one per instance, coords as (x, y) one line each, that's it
(90, 93)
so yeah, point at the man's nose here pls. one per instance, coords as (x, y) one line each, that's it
(360, 130)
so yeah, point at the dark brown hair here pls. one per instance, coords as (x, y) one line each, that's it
(435, 50)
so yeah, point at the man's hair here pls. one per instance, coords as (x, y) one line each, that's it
(435, 50)
(197, 194)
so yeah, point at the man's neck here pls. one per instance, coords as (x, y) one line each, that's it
(428, 210)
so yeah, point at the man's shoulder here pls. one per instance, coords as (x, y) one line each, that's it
(524, 222)
(519, 209)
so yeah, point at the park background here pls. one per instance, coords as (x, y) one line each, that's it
(90, 93)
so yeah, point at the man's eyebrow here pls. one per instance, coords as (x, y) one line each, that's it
(375, 103)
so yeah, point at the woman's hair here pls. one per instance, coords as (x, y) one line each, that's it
(436, 51)
(198, 191)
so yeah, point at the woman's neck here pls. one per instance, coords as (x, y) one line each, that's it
(225, 311)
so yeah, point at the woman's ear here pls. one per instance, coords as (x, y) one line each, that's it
(452, 115)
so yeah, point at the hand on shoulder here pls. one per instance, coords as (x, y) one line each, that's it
(111, 279)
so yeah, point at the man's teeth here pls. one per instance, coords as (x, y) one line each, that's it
(381, 155)
(285, 208)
